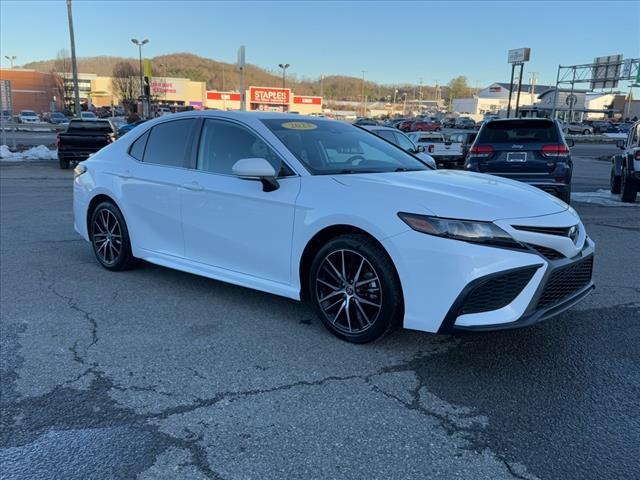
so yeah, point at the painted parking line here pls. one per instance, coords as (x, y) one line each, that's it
(601, 197)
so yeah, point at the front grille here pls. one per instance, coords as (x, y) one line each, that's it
(546, 252)
(565, 281)
(560, 231)
(497, 292)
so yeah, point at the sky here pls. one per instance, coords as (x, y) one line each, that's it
(393, 42)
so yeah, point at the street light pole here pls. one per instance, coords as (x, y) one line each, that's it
(74, 64)
(284, 67)
(11, 59)
(140, 44)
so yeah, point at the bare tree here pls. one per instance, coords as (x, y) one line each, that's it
(60, 70)
(126, 84)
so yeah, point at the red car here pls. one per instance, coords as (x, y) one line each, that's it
(425, 127)
(405, 125)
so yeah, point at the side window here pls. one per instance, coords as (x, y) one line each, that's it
(223, 143)
(169, 143)
(403, 142)
(137, 148)
(387, 135)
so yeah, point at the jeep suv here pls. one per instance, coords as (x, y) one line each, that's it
(625, 168)
(532, 150)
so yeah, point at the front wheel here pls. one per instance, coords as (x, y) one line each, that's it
(355, 289)
(110, 238)
(614, 181)
(64, 164)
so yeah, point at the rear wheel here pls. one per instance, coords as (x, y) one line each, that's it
(586, 132)
(614, 181)
(110, 238)
(354, 289)
(64, 164)
(566, 196)
(628, 188)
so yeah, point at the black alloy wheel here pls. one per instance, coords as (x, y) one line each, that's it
(110, 238)
(355, 289)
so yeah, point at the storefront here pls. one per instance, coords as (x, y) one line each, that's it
(266, 99)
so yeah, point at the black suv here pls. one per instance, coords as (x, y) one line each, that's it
(532, 150)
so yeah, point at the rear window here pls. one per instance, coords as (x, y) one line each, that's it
(96, 126)
(519, 131)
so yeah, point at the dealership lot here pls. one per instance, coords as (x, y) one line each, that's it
(154, 373)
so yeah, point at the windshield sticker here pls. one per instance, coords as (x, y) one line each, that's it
(299, 125)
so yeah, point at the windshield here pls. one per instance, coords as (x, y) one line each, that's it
(333, 147)
(100, 126)
(27, 113)
(519, 131)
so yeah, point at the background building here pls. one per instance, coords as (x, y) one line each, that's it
(31, 90)
(495, 99)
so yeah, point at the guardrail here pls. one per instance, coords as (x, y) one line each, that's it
(9, 131)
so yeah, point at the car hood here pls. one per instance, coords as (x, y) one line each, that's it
(456, 194)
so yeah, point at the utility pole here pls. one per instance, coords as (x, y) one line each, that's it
(364, 108)
(11, 59)
(321, 90)
(284, 67)
(74, 64)
(241, 62)
(395, 92)
(533, 80)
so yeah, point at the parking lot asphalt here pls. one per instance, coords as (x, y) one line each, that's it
(157, 374)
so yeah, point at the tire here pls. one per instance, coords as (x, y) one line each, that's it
(106, 229)
(566, 196)
(628, 188)
(374, 304)
(586, 132)
(614, 181)
(64, 164)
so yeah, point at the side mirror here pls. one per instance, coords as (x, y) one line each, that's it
(257, 169)
(621, 144)
(570, 142)
(420, 149)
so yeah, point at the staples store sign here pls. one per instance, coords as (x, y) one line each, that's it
(276, 96)
(167, 86)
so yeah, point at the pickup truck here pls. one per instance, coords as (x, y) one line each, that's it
(625, 168)
(444, 152)
(83, 138)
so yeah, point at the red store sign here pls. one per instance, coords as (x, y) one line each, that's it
(307, 100)
(276, 96)
(231, 96)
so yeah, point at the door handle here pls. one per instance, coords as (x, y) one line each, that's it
(195, 186)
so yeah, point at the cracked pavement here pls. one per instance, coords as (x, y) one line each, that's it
(157, 374)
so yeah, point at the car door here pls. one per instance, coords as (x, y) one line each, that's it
(149, 186)
(230, 222)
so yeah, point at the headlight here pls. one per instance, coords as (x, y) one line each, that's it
(465, 230)
(79, 170)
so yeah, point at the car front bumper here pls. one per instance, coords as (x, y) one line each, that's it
(439, 277)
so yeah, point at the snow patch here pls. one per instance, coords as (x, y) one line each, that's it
(601, 197)
(35, 153)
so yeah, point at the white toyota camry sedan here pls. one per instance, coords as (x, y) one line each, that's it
(317, 209)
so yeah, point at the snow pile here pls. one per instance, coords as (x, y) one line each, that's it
(601, 197)
(35, 153)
